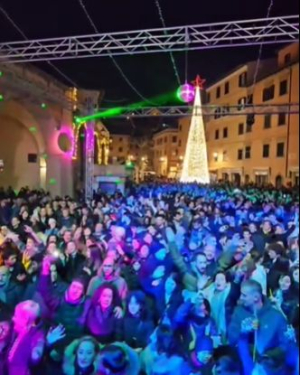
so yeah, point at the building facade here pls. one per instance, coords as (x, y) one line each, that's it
(120, 148)
(36, 117)
(166, 153)
(264, 148)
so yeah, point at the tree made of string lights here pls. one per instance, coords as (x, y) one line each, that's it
(195, 165)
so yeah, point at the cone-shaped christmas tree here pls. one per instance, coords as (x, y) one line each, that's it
(195, 165)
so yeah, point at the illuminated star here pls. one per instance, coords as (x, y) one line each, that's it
(199, 82)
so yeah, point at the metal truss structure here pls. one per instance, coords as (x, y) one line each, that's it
(206, 110)
(199, 37)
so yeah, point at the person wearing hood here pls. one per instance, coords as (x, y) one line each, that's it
(80, 357)
(108, 273)
(118, 359)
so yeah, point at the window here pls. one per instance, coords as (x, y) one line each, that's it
(225, 110)
(32, 158)
(269, 93)
(240, 154)
(266, 151)
(174, 139)
(283, 88)
(180, 128)
(225, 133)
(281, 119)
(217, 135)
(179, 143)
(241, 103)
(120, 139)
(280, 149)
(218, 92)
(248, 152)
(243, 79)
(268, 121)
(227, 88)
(218, 113)
(208, 97)
(288, 58)
(216, 157)
(249, 127)
(241, 129)
(225, 156)
(166, 139)
(120, 149)
(250, 99)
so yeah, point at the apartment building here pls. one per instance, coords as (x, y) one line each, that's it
(120, 148)
(166, 153)
(264, 148)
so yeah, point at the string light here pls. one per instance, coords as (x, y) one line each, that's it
(160, 12)
(76, 130)
(112, 58)
(102, 142)
(195, 165)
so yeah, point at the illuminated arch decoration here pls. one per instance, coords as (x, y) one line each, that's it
(66, 141)
(102, 141)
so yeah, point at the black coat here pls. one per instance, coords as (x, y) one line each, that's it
(73, 267)
(137, 332)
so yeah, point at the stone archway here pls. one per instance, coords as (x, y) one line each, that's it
(20, 113)
(21, 147)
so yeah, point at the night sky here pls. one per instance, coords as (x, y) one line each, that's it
(151, 74)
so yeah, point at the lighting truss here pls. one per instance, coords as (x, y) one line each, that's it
(206, 110)
(198, 37)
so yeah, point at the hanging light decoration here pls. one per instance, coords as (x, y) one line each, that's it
(195, 164)
(186, 93)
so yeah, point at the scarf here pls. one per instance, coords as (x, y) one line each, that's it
(217, 302)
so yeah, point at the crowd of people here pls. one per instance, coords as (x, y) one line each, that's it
(164, 279)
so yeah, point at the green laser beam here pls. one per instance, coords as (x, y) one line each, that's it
(115, 112)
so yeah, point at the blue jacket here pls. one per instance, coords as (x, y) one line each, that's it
(271, 341)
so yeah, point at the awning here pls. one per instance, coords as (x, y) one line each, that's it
(262, 172)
